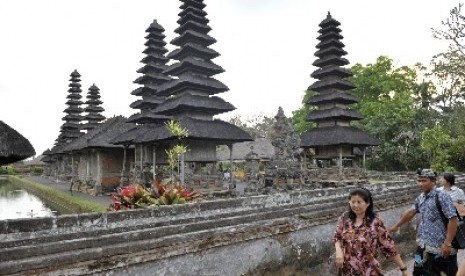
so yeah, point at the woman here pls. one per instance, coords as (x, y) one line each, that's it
(447, 181)
(360, 234)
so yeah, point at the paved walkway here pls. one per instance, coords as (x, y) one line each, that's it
(64, 187)
(409, 263)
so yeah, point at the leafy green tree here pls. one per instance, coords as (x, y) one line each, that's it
(299, 116)
(177, 151)
(437, 142)
(258, 126)
(388, 108)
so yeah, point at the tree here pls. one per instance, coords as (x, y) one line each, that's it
(258, 126)
(437, 142)
(299, 116)
(387, 105)
(175, 153)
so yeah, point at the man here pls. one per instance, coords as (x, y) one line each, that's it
(433, 237)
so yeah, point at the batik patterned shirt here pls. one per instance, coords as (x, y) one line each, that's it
(361, 244)
(431, 230)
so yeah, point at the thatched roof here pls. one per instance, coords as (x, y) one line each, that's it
(147, 117)
(329, 21)
(331, 83)
(334, 96)
(13, 146)
(175, 86)
(337, 135)
(333, 113)
(38, 161)
(193, 36)
(209, 130)
(334, 33)
(191, 64)
(192, 49)
(330, 60)
(191, 25)
(332, 70)
(208, 105)
(100, 136)
(191, 16)
(261, 146)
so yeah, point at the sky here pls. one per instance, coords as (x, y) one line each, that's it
(267, 49)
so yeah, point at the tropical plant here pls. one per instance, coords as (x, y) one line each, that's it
(134, 197)
(178, 150)
(131, 197)
(8, 170)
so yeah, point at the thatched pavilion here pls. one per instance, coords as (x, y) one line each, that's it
(96, 162)
(189, 98)
(13, 146)
(334, 138)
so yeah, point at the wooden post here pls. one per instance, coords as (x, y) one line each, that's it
(364, 158)
(124, 157)
(182, 176)
(154, 161)
(340, 160)
(231, 164)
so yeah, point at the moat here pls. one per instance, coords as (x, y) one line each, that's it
(18, 203)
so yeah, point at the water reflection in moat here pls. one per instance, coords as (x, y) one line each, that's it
(16, 203)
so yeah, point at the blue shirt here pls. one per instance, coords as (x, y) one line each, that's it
(432, 230)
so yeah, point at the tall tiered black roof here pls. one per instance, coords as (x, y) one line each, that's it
(70, 130)
(93, 109)
(192, 74)
(333, 115)
(189, 92)
(153, 76)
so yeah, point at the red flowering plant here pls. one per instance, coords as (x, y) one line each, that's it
(174, 194)
(131, 197)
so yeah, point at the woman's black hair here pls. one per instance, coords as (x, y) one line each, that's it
(365, 194)
(449, 178)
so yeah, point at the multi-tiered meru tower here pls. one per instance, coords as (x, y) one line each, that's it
(334, 138)
(190, 94)
(93, 109)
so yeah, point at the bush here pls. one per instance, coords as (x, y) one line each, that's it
(9, 170)
(37, 170)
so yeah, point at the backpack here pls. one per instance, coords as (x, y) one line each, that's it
(459, 240)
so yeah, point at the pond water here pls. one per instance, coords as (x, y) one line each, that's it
(17, 203)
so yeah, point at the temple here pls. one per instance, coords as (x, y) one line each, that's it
(190, 100)
(93, 109)
(71, 129)
(152, 76)
(334, 138)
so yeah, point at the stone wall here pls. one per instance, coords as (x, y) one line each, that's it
(249, 235)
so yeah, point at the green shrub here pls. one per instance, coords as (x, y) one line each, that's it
(36, 170)
(9, 170)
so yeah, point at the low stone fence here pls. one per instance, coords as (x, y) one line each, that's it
(254, 235)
